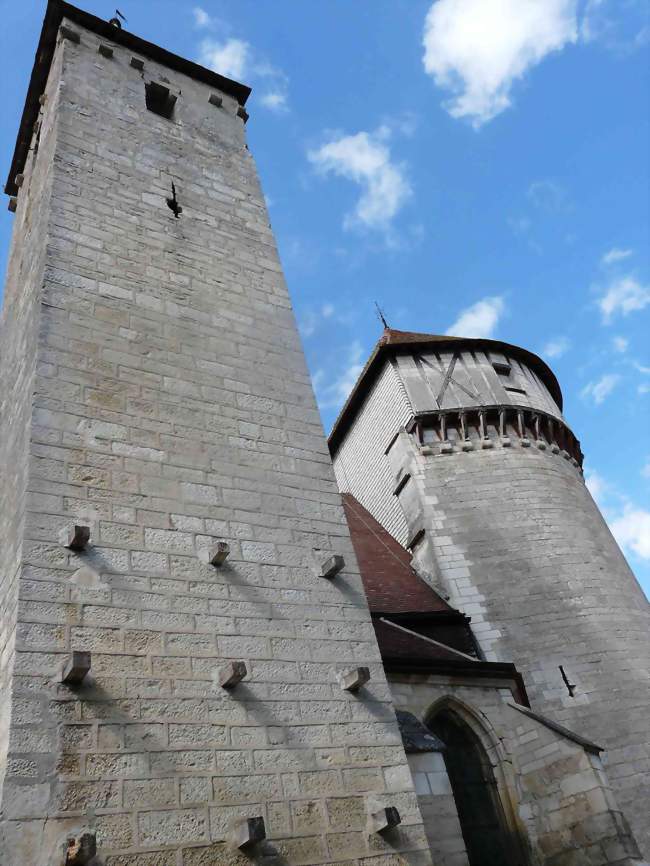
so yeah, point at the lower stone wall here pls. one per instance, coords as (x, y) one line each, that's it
(438, 809)
(554, 792)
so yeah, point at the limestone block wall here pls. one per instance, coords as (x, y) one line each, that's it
(360, 463)
(172, 408)
(515, 537)
(18, 362)
(556, 796)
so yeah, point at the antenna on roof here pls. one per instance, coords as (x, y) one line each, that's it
(116, 20)
(381, 316)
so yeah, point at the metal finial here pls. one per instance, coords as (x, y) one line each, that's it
(115, 21)
(380, 315)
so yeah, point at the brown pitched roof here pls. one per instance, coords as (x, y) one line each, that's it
(415, 628)
(398, 645)
(393, 342)
(391, 584)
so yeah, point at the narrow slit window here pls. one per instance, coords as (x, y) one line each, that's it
(159, 99)
(503, 369)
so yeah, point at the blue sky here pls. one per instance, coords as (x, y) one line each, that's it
(474, 166)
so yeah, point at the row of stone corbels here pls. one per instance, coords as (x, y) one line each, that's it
(539, 423)
(138, 63)
(245, 835)
(505, 441)
(76, 537)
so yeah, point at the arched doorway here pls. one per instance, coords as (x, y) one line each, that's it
(488, 840)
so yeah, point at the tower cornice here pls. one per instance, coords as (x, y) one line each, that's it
(393, 343)
(57, 11)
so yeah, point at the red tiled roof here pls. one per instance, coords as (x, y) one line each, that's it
(391, 584)
(391, 337)
(399, 645)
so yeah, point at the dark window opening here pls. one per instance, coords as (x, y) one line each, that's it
(159, 99)
(503, 369)
(488, 841)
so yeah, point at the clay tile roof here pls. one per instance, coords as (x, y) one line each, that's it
(398, 645)
(391, 337)
(391, 584)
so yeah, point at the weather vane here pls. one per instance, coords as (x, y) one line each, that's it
(380, 315)
(116, 20)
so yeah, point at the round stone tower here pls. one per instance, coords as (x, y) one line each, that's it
(459, 447)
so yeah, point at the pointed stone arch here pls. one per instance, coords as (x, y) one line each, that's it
(483, 782)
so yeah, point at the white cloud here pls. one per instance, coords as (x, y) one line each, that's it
(630, 524)
(598, 391)
(596, 485)
(275, 100)
(311, 320)
(646, 469)
(643, 389)
(332, 393)
(479, 320)
(478, 49)
(620, 343)
(622, 34)
(615, 255)
(624, 295)
(201, 18)
(230, 58)
(557, 347)
(632, 530)
(235, 58)
(365, 159)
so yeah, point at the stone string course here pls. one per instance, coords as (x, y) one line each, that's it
(160, 396)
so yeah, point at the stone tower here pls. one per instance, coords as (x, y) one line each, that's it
(170, 521)
(459, 448)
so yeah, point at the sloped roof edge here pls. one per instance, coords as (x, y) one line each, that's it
(394, 342)
(586, 744)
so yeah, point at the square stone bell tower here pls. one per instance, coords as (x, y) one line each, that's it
(184, 634)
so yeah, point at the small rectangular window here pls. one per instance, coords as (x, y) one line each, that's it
(159, 99)
(503, 369)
